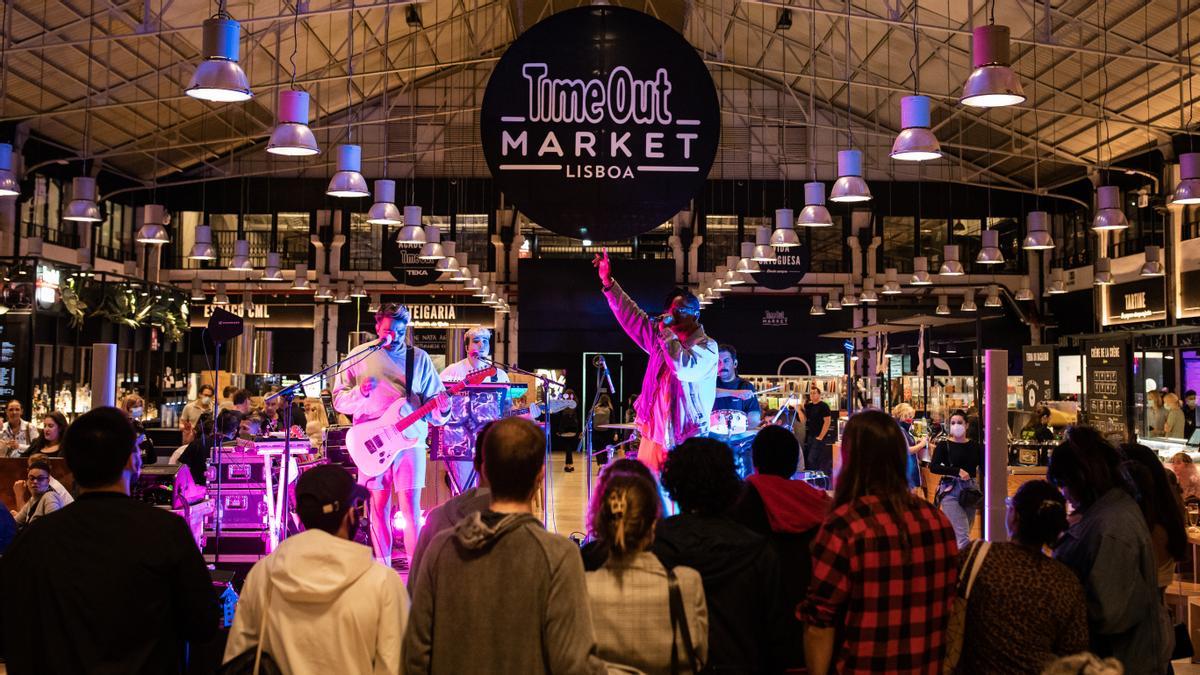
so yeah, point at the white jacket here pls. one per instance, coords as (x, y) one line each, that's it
(333, 608)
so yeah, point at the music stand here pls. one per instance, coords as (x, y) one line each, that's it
(470, 410)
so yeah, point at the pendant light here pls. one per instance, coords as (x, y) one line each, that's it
(1102, 272)
(814, 213)
(1153, 266)
(718, 284)
(323, 290)
(292, 137)
(835, 303)
(1109, 214)
(432, 249)
(463, 273)
(448, 262)
(818, 309)
(82, 207)
(989, 252)
(202, 248)
(920, 276)
(473, 281)
(1058, 282)
(1037, 232)
(300, 281)
(848, 297)
(197, 290)
(384, 211)
(360, 287)
(763, 251)
(376, 303)
(484, 287)
(221, 297)
(943, 307)
(348, 182)
(732, 276)
(1188, 189)
(891, 284)
(1024, 293)
(8, 180)
(951, 267)
(915, 142)
(784, 235)
(969, 301)
(850, 186)
(153, 230)
(272, 271)
(412, 235)
(219, 78)
(868, 293)
(747, 264)
(992, 300)
(993, 83)
(241, 257)
(342, 296)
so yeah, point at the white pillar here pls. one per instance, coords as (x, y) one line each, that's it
(104, 375)
(995, 432)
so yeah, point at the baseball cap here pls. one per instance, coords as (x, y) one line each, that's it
(327, 489)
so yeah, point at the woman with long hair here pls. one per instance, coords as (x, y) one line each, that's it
(959, 461)
(1161, 507)
(1045, 614)
(1156, 413)
(1188, 476)
(1110, 550)
(904, 413)
(1175, 424)
(54, 425)
(631, 594)
(884, 565)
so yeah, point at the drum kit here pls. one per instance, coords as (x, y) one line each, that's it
(731, 427)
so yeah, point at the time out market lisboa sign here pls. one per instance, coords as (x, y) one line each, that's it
(600, 122)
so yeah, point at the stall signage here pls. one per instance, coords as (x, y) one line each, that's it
(831, 364)
(600, 122)
(430, 341)
(774, 318)
(1107, 389)
(405, 265)
(1038, 372)
(15, 374)
(439, 315)
(786, 271)
(1136, 302)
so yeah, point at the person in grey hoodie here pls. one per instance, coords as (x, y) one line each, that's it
(330, 608)
(499, 594)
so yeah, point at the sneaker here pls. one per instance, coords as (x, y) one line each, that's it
(569, 468)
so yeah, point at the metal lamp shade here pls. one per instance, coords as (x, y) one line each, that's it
(360, 288)
(784, 235)
(1024, 293)
(221, 297)
(463, 272)
(992, 301)
(197, 291)
(732, 276)
(82, 207)
(989, 253)
(1037, 237)
(1058, 283)
(850, 186)
(412, 235)
(818, 308)
(300, 282)
(868, 293)
(219, 78)
(993, 83)
(943, 307)
(746, 264)
(432, 249)
(272, 272)
(920, 275)
(951, 267)
(1188, 189)
(969, 302)
(763, 251)
(848, 297)
(348, 182)
(448, 262)
(241, 257)
(814, 213)
(1153, 266)
(384, 211)
(202, 248)
(292, 137)
(891, 284)
(1109, 214)
(343, 292)
(1102, 272)
(835, 303)
(915, 142)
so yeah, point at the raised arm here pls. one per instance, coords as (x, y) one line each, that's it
(633, 320)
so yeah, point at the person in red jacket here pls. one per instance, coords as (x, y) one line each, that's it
(788, 513)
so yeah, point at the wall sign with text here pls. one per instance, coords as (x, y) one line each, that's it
(1136, 301)
(1038, 374)
(600, 122)
(1107, 392)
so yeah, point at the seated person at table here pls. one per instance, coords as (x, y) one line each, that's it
(54, 425)
(21, 487)
(44, 499)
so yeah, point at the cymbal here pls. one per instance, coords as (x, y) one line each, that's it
(622, 426)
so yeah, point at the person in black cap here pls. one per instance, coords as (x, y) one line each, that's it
(319, 584)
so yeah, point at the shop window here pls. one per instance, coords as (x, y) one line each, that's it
(828, 246)
(899, 246)
(366, 243)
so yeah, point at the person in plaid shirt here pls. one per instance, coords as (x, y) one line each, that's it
(884, 567)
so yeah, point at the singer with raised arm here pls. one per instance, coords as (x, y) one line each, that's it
(680, 384)
(383, 384)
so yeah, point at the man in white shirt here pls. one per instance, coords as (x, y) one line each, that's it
(17, 434)
(367, 388)
(329, 607)
(478, 344)
(192, 411)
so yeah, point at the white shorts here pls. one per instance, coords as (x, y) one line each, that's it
(407, 472)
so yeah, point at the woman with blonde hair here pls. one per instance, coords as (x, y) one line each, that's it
(1156, 413)
(904, 413)
(1187, 474)
(1176, 423)
(646, 616)
(317, 421)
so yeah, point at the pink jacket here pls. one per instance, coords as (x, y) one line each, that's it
(685, 372)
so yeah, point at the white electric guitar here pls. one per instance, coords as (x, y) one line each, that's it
(374, 444)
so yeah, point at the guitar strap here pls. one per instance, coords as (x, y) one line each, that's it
(409, 353)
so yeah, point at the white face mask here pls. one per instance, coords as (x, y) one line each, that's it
(137, 413)
(205, 400)
(958, 429)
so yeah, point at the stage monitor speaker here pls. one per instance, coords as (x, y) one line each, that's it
(224, 325)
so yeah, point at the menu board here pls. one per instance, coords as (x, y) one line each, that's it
(1107, 379)
(431, 341)
(14, 362)
(831, 364)
(1038, 371)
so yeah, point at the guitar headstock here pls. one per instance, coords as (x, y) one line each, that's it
(478, 376)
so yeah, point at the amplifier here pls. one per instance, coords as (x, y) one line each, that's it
(240, 468)
(241, 509)
(244, 546)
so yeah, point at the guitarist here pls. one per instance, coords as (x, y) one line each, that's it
(365, 390)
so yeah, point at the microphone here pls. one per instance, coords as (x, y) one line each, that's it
(600, 363)
(386, 341)
(664, 319)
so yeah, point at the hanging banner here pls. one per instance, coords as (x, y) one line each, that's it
(600, 122)
(1038, 374)
(786, 271)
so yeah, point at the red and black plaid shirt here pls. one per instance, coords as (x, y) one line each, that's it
(889, 598)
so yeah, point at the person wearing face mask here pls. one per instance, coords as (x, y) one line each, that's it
(958, 460)
(192, 411)
(135, 407)
(904, 413)
(1175, 425)
(1189, 413)
(321, 583)
(54, 425)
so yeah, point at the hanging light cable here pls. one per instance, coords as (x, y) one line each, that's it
(348, 182)
(850, 186)
(915, 142)
(292, 137)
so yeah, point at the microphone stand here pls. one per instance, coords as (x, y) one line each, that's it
(546, 383)
(288, 394)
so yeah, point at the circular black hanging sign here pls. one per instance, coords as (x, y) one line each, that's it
(788, 269)
(404, 264)
(600, 122)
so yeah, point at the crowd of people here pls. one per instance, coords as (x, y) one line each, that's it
(763, 575)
